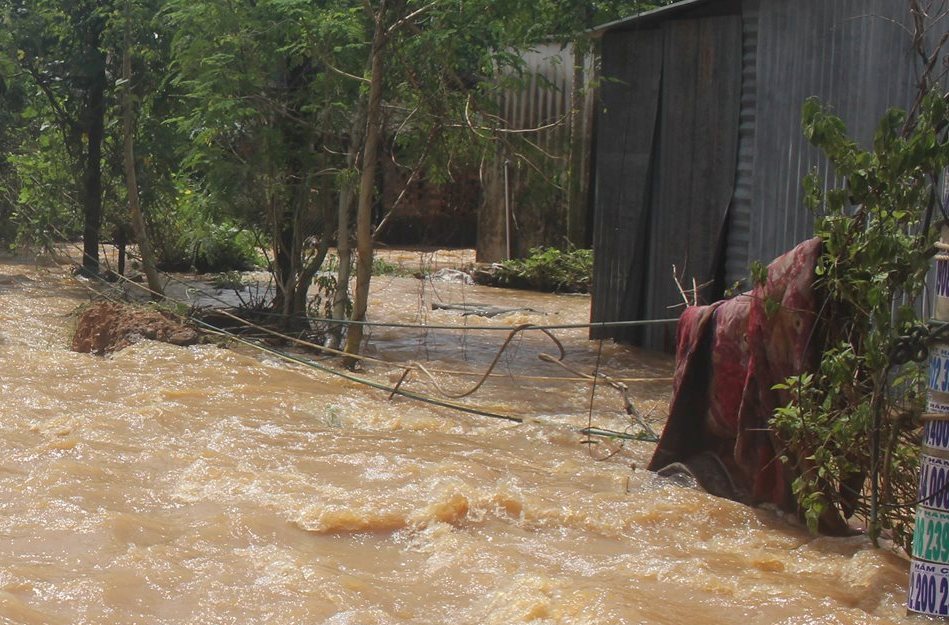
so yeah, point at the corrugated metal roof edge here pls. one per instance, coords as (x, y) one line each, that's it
(653, 14)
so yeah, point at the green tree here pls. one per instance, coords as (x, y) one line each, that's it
(60, 46)
(263, 117)
(13, 100)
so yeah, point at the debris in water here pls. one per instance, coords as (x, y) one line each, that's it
(106, 327)
(480, 310)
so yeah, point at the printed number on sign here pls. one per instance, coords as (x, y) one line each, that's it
(933, 489)
(931, 540)
(924, 596)
(937, 434)
(939, 374)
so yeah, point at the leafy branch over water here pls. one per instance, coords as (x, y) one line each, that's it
(851, 428)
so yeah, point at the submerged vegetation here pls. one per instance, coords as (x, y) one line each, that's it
(549, 269)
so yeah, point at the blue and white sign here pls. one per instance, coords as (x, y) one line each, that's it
(928, 589)
(934, 483)
(939, 373)
(936, 433)
(941, 305)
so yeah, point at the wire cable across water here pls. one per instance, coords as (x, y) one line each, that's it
(398, 389)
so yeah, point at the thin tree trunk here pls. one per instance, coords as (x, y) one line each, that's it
(344, 249)
(326, 210)
(92, 174)
(287, 267)
(121, 242)
(367, 186)
(131, 180)
(345, 254)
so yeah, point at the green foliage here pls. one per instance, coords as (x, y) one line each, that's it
(51, 54)
(382, 267)
(189, 235)
(857, 411)
(228, 281)
(266, 141)
(759, 273)
(213, 247)
(257, 104)
(44, 210)
(223, 246)
(320, 304)
(550, 269)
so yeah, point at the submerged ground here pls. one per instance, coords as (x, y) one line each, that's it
(206, 485)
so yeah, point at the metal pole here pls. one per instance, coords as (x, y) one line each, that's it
(507, 209)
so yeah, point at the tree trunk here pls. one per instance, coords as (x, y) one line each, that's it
(313, 260)
(294, 273)
(344, 249)
(92, 174)
(367, 186)
(131, 180)
(121, 242)
(345, 254)
(285, 269)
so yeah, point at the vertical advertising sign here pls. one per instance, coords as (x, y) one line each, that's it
(929, 571)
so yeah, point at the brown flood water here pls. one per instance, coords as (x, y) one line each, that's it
(203, 485)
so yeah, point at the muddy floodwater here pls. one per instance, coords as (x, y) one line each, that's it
(206, 485)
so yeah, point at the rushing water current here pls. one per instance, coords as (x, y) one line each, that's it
(206, 485)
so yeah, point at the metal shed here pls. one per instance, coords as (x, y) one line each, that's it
(536, 190)
(699, 154)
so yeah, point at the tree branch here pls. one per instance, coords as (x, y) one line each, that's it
(408, 18)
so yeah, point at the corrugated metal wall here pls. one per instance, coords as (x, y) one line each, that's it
(537, 190)
(545, 97)
(853, 54)
(694, 171)
(629, 100)
(739, 227)
(665, 166)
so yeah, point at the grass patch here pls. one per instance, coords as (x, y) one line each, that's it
(382, 267)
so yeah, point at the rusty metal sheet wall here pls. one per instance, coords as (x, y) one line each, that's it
(545, 99)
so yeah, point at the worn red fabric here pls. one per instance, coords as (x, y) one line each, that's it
(729, 356)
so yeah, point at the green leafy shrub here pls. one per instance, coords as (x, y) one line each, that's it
(214, 248)
(851, 429)
(549, 269)
(382, 267)
(191, 235)
(228, 281)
